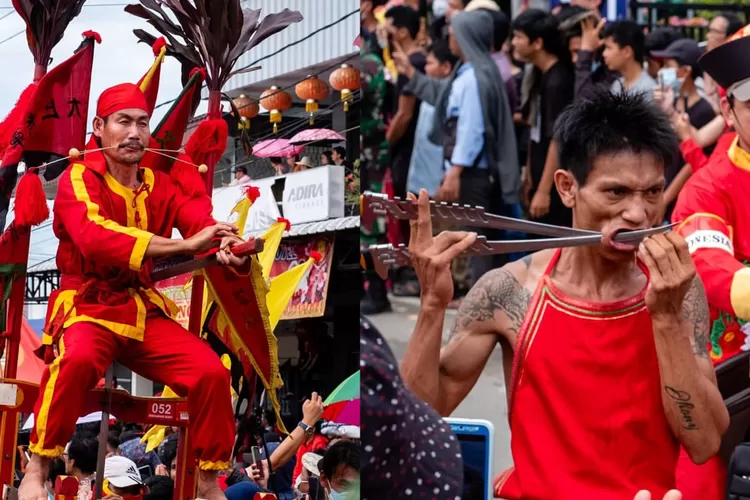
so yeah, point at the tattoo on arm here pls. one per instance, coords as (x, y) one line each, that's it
(684, 406)
(695, 312)
(498, 290)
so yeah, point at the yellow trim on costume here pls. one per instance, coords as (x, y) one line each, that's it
(92, 212)
(739, 293)
(42, 417)
(66, 299)
(164, 303)
(147, 79)
(208, 465)
(739, 156)
(134, 204)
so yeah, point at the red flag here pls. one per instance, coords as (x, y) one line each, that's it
(14, 256)
(54, 120)
(171, 130)
(241, 322)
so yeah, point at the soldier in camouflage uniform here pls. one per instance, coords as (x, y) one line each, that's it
(373, 164)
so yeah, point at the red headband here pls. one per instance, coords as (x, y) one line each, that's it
(119, 97)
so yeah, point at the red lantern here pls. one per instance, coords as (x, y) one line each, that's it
(312, 89)
(275, 101)
(345, 79)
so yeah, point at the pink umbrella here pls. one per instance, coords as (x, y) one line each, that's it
(317, 135)
(276, 147)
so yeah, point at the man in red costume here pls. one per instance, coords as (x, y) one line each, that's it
(712, 208)
(605, 363)
(113, 219)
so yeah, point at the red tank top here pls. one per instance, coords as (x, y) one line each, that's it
(585, 409)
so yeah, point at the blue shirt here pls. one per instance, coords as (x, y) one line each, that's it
(464, 102)
(426, 167)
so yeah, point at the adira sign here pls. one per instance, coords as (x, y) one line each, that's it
(314, 195)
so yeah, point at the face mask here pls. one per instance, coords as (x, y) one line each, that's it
(335, 495)
(677, 84)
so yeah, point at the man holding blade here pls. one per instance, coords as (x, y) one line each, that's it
(604, 352)
(113, 218)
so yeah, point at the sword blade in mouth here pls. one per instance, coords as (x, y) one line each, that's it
(633, 237)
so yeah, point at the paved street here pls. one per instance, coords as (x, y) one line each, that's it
(486, 401)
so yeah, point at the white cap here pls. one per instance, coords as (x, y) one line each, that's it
(740, 90)
(121, 472)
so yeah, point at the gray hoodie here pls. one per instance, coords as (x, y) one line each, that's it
(474, 32)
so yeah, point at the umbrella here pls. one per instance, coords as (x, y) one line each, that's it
(318, 136)
(342, 406)
(276, 147)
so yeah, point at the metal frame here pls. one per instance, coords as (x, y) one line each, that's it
(40, 284)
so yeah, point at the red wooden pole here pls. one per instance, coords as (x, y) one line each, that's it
(39, 71)
(185, 477)
(14, 317)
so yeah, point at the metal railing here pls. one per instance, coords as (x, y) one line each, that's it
(655, 14)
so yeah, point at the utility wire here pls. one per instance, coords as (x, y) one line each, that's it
(12, 36)
(85, 5)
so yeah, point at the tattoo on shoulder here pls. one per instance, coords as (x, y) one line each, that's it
(498, 290)
(695, 311)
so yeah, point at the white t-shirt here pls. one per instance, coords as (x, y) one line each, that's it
(644, 84)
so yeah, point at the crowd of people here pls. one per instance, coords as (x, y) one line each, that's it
(479, 89)
(319, 460)
(565, 118)
(295, 163)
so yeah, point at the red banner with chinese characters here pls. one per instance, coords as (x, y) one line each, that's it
(309, 300)
(56, 117)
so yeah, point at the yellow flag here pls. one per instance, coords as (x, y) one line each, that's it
(282, 290)
(271, 241)
(242, 208)
(146, 81)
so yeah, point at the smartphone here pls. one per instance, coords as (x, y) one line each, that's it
(667, 77)
(476, 438)
(257, 458)
(314, 488)
(145, 472)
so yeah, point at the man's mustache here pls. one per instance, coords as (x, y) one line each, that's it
(133, 144)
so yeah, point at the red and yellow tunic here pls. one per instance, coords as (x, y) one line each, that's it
(104, 229)
(712, 210)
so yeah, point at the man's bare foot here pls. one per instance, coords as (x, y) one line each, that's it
(32, 484)
(208, 488)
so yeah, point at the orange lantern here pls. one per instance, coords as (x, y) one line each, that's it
(248, 108)
(312, 89)
(275, 101)
(345, 79)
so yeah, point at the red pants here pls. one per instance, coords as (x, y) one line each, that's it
(169, 354)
